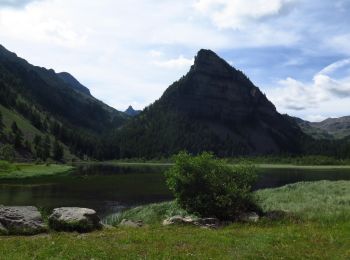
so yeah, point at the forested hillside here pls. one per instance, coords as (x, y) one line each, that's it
(61, 111)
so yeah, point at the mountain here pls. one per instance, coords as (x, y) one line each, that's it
(73, 82)
(56, 104)
(132, 112)
(330, 128)
(215, 108)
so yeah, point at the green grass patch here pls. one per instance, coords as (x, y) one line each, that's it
(281, 241)
(322, 201)
(19, 171)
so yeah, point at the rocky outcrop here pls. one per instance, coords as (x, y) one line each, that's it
(21, 221)
(74, 219)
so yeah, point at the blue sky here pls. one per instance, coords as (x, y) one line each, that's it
(129, 52)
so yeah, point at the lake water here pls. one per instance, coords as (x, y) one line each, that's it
(109, 189)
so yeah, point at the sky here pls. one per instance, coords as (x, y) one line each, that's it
(128, 52)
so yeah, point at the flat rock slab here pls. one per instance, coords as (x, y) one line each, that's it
(21, 221)
(74, 219)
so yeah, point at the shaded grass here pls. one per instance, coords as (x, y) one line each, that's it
(20, 171)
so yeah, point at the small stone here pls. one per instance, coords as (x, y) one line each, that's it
(211, 222)
(130, 223)
(251, 217)
(178, 220)
(74, 219)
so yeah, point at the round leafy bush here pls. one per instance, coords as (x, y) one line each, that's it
(209, 187)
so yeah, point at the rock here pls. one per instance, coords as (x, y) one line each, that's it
(252, 217)
(130, 223)
(208, 222)
(74, 219)
(21, 221)
(178, 220)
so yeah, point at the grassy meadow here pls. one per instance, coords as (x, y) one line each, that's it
(320, 229)
(22, 170)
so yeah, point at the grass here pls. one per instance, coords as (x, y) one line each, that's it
(321, 232)
(281, 241)
(20, 170)
(322, 201)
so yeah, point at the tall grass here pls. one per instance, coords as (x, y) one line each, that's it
(150, 214)
(324, 202)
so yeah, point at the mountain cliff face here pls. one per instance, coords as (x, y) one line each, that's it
(214, 107)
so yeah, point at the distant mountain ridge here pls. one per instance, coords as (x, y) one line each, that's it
(329, 128)
(214, 107)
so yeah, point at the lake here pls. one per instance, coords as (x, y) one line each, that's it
(109, 189)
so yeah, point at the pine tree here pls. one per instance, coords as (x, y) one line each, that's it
(46, 148)
(1, 122)
(57, 151)
(38, 147)
(17, 135)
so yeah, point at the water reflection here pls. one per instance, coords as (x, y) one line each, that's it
(108, 188)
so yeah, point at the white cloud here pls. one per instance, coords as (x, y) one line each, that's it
(178, 63)
(294, 95)
(236, 13)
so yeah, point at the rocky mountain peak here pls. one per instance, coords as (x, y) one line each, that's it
(131, 111)
(207, 61)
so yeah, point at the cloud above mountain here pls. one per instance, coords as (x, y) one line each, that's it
(15, 3)
(128, 52)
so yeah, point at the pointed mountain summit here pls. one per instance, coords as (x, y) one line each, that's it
(131, 111)
(73, 82)
(213, 108)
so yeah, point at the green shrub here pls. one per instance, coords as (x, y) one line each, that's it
(209, 187)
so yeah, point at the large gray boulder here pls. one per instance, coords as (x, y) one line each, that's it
(21, 221)
(74, 219)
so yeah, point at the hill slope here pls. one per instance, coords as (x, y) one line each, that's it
(331, 128)
(55, 104)
(214, 107)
